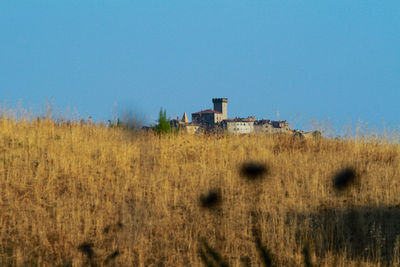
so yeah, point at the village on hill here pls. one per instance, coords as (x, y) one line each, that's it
(216, 120)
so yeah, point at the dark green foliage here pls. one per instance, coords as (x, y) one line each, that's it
(163, 126)
(316, 135)
(128, 123)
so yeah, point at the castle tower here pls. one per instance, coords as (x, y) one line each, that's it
(221, 105)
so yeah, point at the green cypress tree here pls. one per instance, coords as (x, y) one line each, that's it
(163, 125)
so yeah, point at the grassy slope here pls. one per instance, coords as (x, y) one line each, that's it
(71, 192)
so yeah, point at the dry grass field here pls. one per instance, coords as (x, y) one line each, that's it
(91, 195)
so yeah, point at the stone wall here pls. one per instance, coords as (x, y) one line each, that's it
(241, 127)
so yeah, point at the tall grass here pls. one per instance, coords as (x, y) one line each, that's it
(86, 194)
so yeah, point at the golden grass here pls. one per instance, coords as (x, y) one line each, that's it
(69, 192)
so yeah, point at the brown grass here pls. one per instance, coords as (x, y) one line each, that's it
(77, 195)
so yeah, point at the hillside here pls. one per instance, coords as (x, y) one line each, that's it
(73, 194)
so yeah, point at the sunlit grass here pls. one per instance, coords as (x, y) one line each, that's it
(80, 194)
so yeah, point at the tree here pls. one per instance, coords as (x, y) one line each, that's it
(316, 135)
(163, 125)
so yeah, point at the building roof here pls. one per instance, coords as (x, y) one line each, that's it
(263, 121)
(208, 111)
(248, 119)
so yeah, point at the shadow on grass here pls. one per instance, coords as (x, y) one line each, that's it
(210, 256)
(265, 254)
(211, 200)
(371, 233)
(360, 233)
(254, 171)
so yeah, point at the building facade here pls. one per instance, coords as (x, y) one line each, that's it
(210, 118)
(216, 120)
(268, 126)
(239, 125)
(221, 106)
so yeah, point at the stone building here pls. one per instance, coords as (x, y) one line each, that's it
(210, 118)
(221, 105)
(178, 123)
(239, 125)
(268, 126)
(251, 125)
(192, 128)
(216, 120)
(184, 125)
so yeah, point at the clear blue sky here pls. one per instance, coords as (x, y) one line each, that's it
(328, 60)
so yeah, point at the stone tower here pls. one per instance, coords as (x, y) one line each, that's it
(221, 105)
